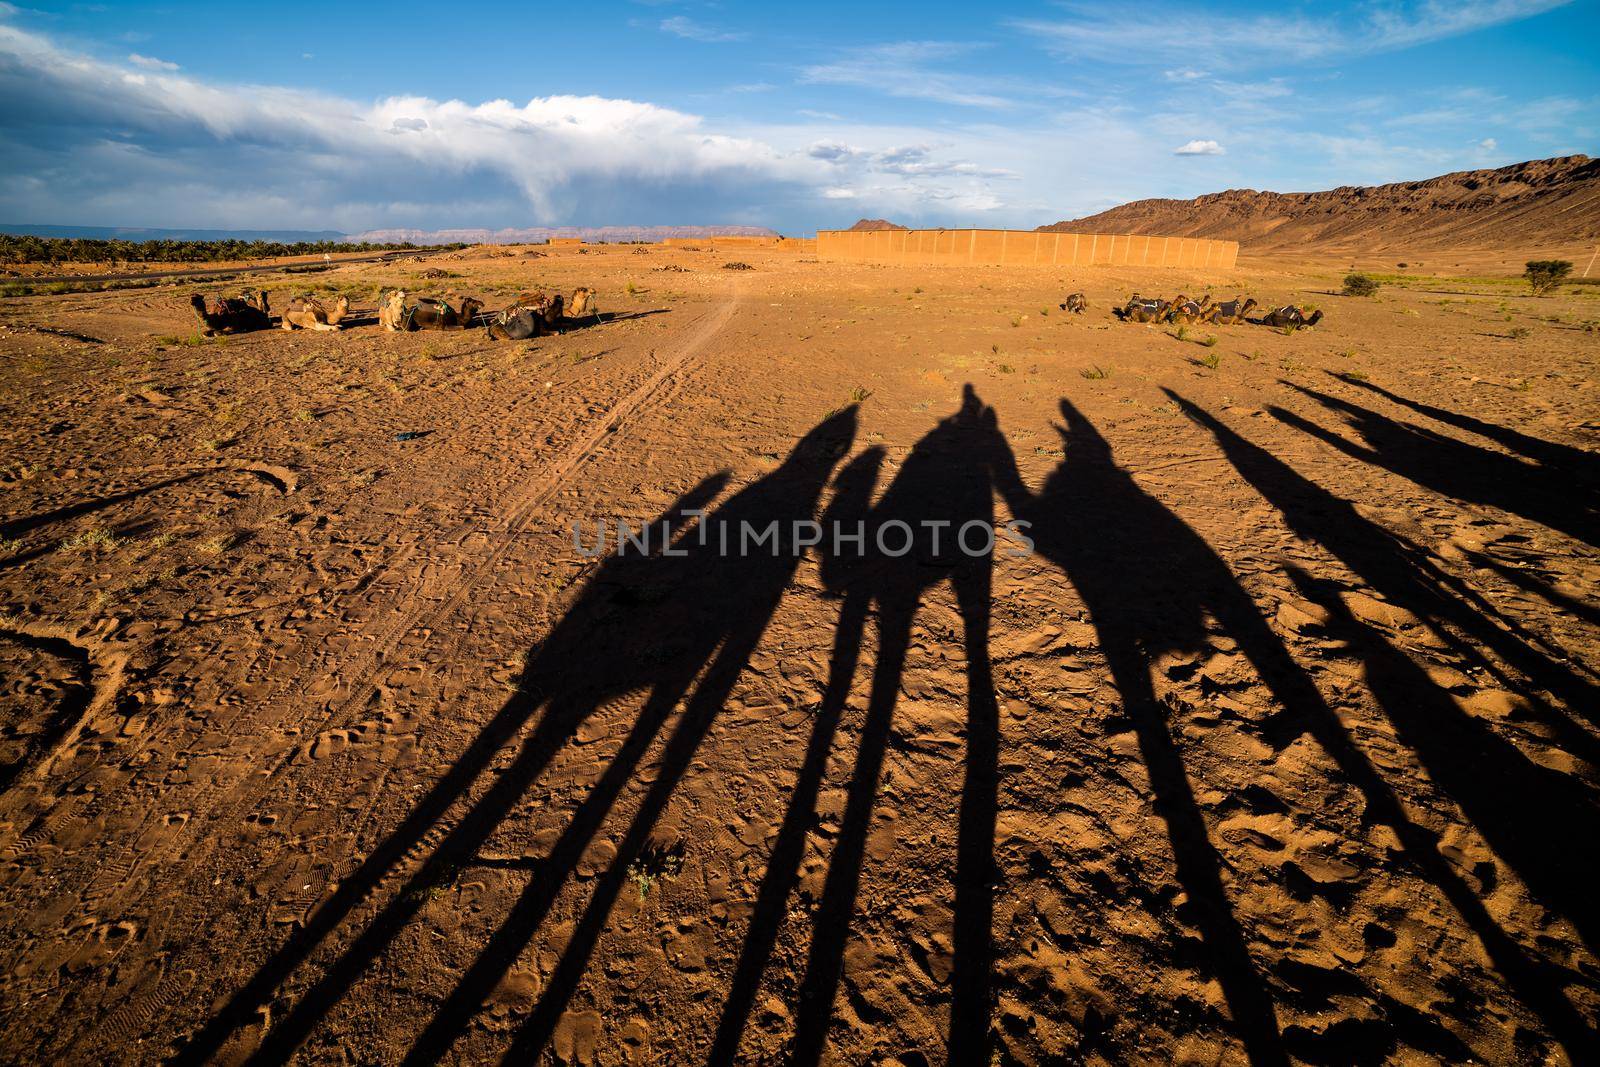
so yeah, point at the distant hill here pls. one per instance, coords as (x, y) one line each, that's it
(1541, 202)
(127, 233)
(876, 224)
(543, 233)
(392, 236)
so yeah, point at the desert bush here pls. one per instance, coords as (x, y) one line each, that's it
(1359, 285)
(1545, 274)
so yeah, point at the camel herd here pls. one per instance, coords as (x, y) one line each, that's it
(1180, 310)
(529, 315)
(536, 313)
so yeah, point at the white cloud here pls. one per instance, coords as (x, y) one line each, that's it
(1199, 148)
(1167, 33)
(1488, 144)
(130, 145)
(914, 70)
(689, 30)
(150, 64)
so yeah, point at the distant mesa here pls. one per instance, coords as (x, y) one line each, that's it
(876, 224)
(1540, 202)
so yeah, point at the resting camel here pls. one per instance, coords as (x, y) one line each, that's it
(308, 313)
(1144, 309)
(425, 313)
(1231, 312)
(531, 314)
(1076, 303)
(1184, 310)
(1292, 316)
(232, 314)
(583, 305)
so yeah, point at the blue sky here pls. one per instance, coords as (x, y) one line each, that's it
(350, 117)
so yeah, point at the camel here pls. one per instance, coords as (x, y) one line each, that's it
(1076, 303)
(392, 309)
(583, 305)
(309, 313)
(425, 313)
(1182, 310)
(233, 314)
(1144, 309)
(547, 306)
(1292, 316)
(1231, 312)
(431, 314)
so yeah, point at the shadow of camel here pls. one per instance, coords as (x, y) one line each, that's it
(642, 623)
(1455, 468)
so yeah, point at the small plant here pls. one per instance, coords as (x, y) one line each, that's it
(96, 540)
(658, 860)
(1518, 333)
(1044, 313)
(1211, 360)
(1354, 376)
(1545, 274)
(9, 546)
(1016, 320)
(218, 544)
(1183, 333)
(918, 289)
(305, 415)
(1006, 368)
(859, 394)
(1096, 373)
(1210, 340)
(1359, 285)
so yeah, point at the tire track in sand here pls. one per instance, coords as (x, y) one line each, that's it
(227, 799)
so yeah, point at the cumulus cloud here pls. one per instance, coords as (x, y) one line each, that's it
(832, 151)
(544, 156)
(1488, 144)
(1199, 148)
(101, 142)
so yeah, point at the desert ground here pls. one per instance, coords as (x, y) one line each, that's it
(323, 740)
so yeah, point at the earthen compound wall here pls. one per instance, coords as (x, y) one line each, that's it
(1023, 248)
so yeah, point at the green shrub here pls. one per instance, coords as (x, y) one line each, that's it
(1359, 285)
(1545, 274)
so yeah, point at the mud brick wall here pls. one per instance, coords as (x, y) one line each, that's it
(1023, 248)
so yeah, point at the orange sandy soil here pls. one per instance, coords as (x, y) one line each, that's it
(1282, 744)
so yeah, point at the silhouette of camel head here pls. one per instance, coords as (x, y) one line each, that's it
(825, 442)
(1079, 437)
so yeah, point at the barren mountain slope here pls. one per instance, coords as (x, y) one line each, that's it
(1541, 201)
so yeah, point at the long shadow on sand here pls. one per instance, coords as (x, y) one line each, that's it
(1542, 823)
(1576, 463)
(682, 625)
(643, 622)
(1456, 468)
